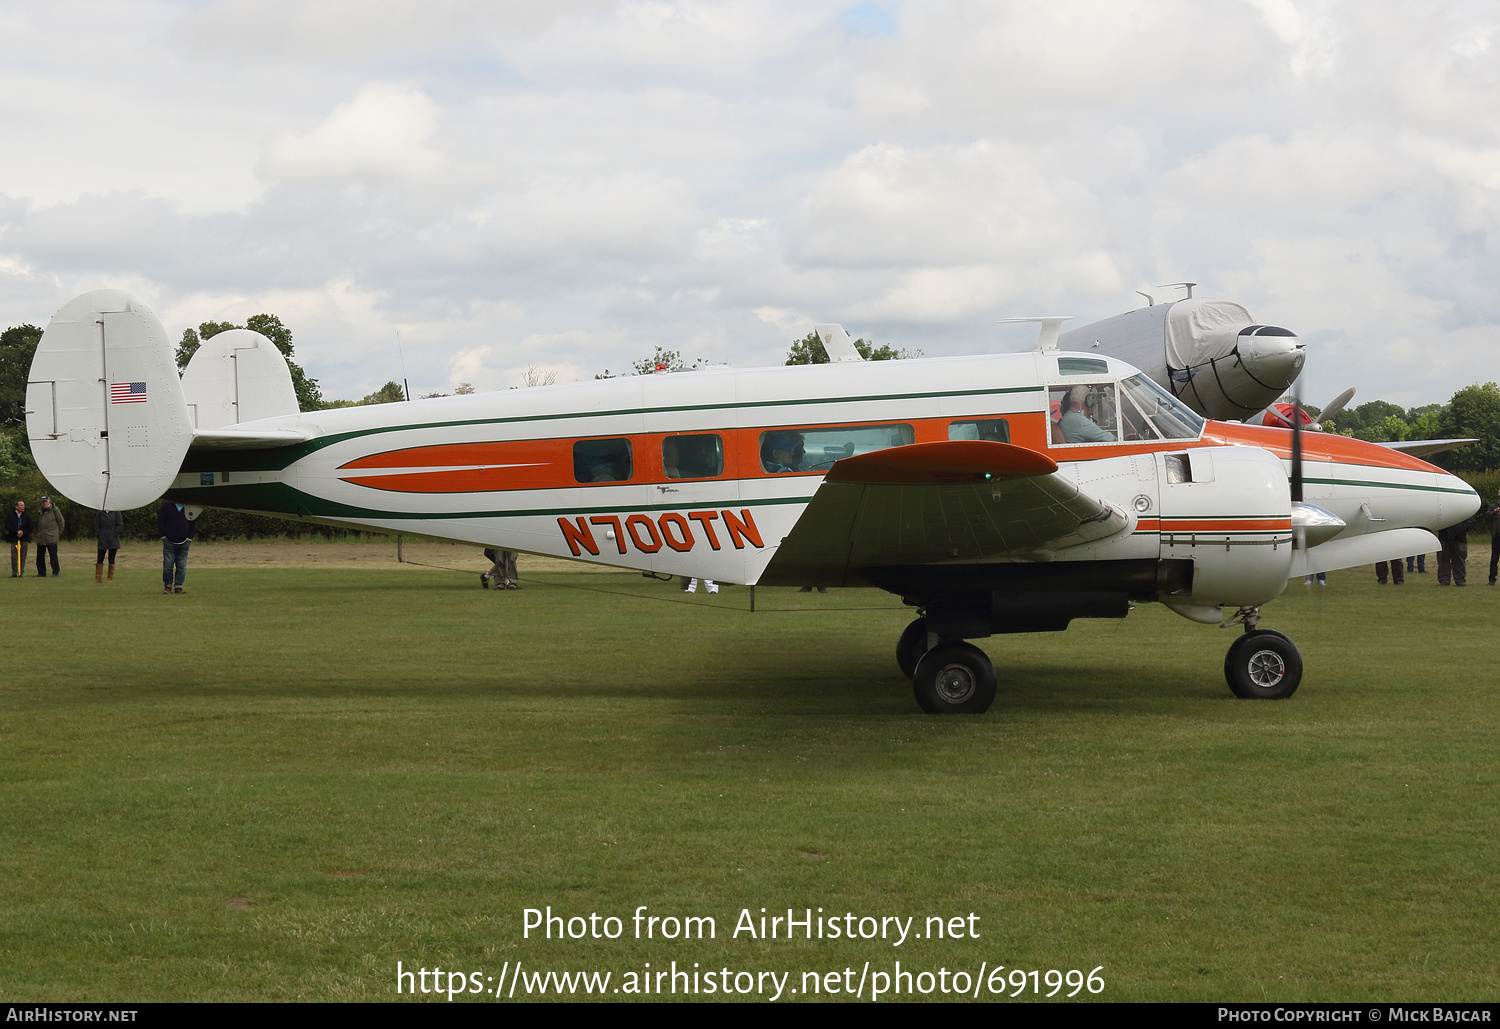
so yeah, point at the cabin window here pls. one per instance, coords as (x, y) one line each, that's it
(602, 460)
(996, 430)
(1082, 366)
(1153, 413)
(1086, 413)
(815, 450)
(693, 457)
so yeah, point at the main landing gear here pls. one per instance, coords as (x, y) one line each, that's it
(951, 678)
(1263, 664)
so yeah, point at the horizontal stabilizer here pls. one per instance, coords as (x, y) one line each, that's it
(1363, 550)
(1427, 447)
(247, 439)
(105, 414)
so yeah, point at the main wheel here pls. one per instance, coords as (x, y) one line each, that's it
(954, 679)
(1263, 665)
(911, 646)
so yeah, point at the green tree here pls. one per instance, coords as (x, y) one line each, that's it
(666, 360)
(17, 347)
(1473, 411)
(390, 393)
(309, 396)
(809, 350)
(1370, 421)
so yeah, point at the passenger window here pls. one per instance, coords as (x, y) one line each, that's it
(995, 430)
(1085, 413)
(693, 457)
(815, 450)
(602, 460)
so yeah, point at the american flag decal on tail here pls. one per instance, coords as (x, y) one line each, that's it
(127, 392)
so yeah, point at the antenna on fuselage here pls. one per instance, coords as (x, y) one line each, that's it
(1171, 285)
(1047, 338)
(405, 384)
(1150, 300)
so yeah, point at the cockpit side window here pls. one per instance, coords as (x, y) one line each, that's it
(1168, 416)
(1085, 413)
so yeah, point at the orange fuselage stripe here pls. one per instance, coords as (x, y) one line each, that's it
(530, 464)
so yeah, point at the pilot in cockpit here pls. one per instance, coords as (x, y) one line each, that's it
(1080, 406)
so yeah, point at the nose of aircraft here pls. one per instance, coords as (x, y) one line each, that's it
(1457, 502)
(1273, 361)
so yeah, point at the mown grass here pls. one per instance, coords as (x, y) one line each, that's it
(281, 783)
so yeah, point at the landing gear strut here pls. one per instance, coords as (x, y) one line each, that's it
(1263, 665)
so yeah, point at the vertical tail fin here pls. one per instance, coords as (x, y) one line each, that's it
(237, 376)
(105, 413)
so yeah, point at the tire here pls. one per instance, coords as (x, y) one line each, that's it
(1263, 665)
(911, 646)
(954, 679)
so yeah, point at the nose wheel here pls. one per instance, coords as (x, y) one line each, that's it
(1263, 665)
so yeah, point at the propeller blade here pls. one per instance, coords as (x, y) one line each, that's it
(1275, 412)
(1296, 450)
(1339, 403)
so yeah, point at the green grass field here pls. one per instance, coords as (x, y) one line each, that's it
(282, 783)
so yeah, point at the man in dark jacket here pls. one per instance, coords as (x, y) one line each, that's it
(177, 532)
(1455, 552)
(49, 530)
(18, 538)
(1492, 516)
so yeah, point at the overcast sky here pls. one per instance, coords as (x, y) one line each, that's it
(571, 183)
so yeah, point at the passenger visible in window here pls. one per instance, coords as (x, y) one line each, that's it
(670, 458)
(782, 452)
(1076, 424)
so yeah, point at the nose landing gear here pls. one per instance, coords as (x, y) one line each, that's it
(1263, 665)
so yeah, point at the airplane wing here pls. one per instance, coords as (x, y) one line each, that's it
(1426, 447)
(937, 503)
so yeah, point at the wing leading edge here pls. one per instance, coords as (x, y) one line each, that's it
(937, 503)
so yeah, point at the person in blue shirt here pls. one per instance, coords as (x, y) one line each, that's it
(1076, 425)
(177, 531)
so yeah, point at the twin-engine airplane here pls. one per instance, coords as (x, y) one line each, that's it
(995, 494)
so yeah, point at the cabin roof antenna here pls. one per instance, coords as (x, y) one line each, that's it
(1047, 338)
(1185, 285)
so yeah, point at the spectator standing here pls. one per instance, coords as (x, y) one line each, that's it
(1417, 563)
(49, 530)
(1398, 575)
(107, 527)
(1455, 553)
(177, 531)
(1492, 516)
(502, 573)
(18, 538)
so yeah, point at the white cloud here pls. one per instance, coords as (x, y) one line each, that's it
(572, 184)
(385, 132)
